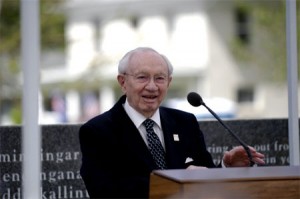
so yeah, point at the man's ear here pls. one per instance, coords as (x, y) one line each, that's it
(121, 80)
(169, 80)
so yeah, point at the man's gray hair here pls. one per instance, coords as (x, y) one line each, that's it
(124, 62)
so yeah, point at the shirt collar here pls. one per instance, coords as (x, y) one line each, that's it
(138, 118)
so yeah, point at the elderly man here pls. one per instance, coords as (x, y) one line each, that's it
(121, 147)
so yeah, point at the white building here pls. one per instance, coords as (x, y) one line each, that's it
(195, 35)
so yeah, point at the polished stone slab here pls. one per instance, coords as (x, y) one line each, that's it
(61, 157)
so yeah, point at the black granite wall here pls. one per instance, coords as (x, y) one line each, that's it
(61, 157)
(269, 136)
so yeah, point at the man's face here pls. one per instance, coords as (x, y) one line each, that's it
(145, 82)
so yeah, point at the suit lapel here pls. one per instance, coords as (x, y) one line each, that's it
(130, 135)
(133, 140)
(172, 141)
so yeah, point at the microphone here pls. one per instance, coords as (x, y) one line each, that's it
(196, 100)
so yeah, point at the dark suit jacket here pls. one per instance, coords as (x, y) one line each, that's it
(116, 162)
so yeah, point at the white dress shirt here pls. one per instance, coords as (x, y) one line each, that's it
(138, 120)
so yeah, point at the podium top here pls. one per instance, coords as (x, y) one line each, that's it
(230, 174)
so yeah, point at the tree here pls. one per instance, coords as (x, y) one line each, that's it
(267, 53)
(52, 24)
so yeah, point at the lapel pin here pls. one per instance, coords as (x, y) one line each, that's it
(175, 136)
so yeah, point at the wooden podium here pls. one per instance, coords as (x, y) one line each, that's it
(281, 182)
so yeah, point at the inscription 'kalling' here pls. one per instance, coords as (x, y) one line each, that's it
(60, 192)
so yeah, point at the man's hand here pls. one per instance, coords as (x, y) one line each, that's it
(237, 157)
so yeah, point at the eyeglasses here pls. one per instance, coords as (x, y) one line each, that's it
(144, 78)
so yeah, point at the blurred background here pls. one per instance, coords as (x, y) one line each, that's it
(232, 52)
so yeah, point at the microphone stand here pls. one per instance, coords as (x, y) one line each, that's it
(245, 146)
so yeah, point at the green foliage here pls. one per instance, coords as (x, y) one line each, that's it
(16, 114)
(10, 27)
(52, 24)
(268, 26)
